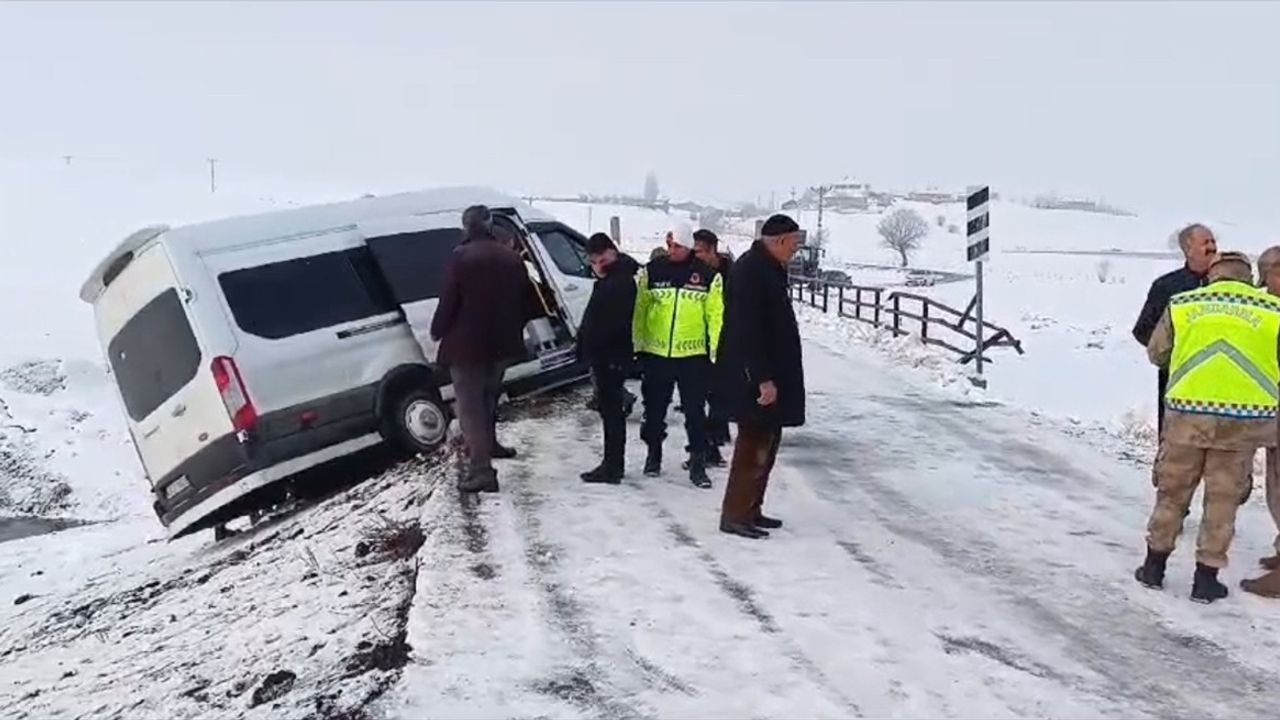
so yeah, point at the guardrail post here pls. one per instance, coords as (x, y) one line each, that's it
(876, 297)
(813, 294)
(897, 317)
(840, 301)
(826, 292)
(924, 322)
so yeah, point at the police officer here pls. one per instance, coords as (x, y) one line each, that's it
(1219, 344)
(676, 330)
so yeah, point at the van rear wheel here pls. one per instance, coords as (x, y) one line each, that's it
(418, 421)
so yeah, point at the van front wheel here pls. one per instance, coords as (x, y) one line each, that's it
(418, 421)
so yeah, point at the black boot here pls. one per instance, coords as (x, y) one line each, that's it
(1151, 573)
(653, 461)
(1206, 588)
(766, 522)
(604, 474)
(698, 472)
(742, 530)
(479, 483)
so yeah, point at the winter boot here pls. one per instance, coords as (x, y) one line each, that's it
(766, 522)
(653, 461)
(742, 530)
(1151, 573)
(1267, 586)
(698, 472)
(479, 483)
(1206, 588)
(603, 475)
(714, 458)
(1270, 562)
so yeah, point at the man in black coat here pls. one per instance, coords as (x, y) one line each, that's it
(706, 247)
(1199, 247)
(604, 340)
(763, 362)
(485, 302)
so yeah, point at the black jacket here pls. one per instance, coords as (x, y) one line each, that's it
(605, 334)
(761, 342)
(1165, 287)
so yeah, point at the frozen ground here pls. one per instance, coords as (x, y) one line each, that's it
(943, 557)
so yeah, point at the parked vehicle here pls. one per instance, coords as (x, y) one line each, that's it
(248, 349)
(919, 278)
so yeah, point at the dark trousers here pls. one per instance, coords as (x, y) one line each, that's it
(476, 390)
(754, 454)
(717, 407)
(610, 381)
(661, 376)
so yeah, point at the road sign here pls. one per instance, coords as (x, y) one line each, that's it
(979, 228)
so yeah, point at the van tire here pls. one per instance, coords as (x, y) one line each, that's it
(417, 421)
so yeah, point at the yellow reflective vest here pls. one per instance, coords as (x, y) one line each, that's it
(1225, 360)
(679, 309)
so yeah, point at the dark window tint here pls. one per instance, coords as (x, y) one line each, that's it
(413, 263)
(154, 355)
(304, 294)
(568, 251)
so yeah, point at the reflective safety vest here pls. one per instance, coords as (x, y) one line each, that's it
(679, 309)
(1225, 360)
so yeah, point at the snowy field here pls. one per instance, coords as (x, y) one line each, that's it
(949, 552)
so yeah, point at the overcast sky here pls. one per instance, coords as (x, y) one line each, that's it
(1150, 105)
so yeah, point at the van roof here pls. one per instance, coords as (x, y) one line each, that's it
(216, 234)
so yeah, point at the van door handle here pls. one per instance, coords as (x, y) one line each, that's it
(371, 327)
(179, 410)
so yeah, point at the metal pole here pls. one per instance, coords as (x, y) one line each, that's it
(979, 380)
(213, 175)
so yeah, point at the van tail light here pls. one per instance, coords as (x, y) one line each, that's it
(244, 416)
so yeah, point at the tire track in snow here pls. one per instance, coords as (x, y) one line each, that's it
(1131, 652)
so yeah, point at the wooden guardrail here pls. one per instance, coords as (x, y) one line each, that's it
(902, 312)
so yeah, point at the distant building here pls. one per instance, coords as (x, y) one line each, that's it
(848, 195)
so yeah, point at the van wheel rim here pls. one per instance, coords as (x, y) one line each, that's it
(425, 422)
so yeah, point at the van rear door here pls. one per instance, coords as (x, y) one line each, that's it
(412, 253)
(166, 382)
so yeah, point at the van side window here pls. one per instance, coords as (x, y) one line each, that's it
(296, 296)
(154, 355)
(567, 250)
(413, 263)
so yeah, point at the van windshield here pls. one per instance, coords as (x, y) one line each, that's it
(154, 355)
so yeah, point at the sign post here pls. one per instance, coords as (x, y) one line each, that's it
(978, 233)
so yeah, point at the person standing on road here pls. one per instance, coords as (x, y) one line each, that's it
(605, 341)
(485, 302)
(678, 314)
(706, 247)
(1198, 247)
(1269, 584)
(764, 365)
(1221, 345)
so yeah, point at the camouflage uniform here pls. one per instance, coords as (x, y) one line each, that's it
(1193, 447)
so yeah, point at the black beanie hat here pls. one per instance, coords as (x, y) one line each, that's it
(778, 225)
(706, 236)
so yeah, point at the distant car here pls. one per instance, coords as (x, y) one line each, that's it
(916, 278)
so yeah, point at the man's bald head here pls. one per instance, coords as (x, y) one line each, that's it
(1231, 266)
(1269, 269)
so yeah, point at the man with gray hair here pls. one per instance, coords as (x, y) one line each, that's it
(1269, 585)
(1198, 247)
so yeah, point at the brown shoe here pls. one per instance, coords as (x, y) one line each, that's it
(1270, 562)
(1267, 586)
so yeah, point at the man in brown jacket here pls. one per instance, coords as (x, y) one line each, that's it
(484, 305)
(1269, 585)
(1221, 407)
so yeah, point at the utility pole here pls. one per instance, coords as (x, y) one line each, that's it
(822, 194)
(213, 175)
(67, 159)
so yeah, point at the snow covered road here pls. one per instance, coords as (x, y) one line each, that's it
(942, 559)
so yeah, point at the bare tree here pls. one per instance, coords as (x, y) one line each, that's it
(1104, 270)
(902, 230)
(651, 190)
